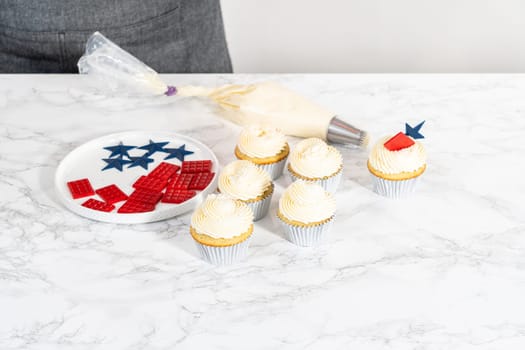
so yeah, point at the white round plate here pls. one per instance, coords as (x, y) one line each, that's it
(86, 162)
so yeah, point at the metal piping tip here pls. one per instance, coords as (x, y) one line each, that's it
(342, 132)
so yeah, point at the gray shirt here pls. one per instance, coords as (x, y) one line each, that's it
(171, 36)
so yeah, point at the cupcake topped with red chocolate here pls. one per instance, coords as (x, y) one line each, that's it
(396, 162)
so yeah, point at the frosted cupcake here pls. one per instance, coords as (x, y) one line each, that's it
(314, 161)
(265, 147)
(306, 212)
(222, 226)
(247, 182)
(397, 162)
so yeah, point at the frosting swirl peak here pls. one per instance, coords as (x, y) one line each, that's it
(244, 180)
(306, 202)
(393, 162)
(313, 158)
(261, 142)
(221, 216)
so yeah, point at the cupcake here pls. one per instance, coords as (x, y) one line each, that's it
(306, 211)
(265, 147)
(314, 161)
(221, 227)
(247, 182)
(396, 163)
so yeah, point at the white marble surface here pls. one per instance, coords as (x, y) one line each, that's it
(444, 269)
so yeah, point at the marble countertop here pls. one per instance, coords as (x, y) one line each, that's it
(444, 269)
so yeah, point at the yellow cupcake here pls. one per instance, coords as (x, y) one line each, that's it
(315, 161)
(222, 226)
(265, 147)
(306, 212)
(395, 173)
(247, 182)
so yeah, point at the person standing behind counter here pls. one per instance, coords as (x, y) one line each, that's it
(171, 36)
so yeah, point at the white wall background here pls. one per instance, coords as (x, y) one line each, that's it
(376, 35)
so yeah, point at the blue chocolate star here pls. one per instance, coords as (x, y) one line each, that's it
(414, 131)
(116, 163)
(119, 150)
(178, 153)
(153, 147)
(142, 161)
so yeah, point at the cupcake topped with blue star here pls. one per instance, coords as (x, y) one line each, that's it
(397, 161)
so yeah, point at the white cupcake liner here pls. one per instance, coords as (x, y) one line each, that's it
(306, 236)
(329, 184)
(224, 255)
(274, 169)
(260, 207)
(394, 188)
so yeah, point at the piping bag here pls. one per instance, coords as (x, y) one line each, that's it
(267, 103)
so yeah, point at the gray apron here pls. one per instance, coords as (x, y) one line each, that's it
(171, 36)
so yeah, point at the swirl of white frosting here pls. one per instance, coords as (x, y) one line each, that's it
(244, 180)
(313, 158)
(261, 142)
(221, 216)
(394, 162)
(306, 202)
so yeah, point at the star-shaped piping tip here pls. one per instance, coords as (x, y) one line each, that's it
(413, 132)
(119, 150)
(178, 153)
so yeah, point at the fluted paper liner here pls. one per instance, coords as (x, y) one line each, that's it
(394, 188)
(260, 207)
(330, 184)
(224, 255)
(274, 169)
(306, 236)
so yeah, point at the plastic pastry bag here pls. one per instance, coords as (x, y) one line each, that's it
(266, 103)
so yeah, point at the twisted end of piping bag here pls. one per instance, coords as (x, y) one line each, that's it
(340, 131)
(172, 90)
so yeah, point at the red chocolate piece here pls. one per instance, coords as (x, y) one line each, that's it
(131, 207)
(164, 171)
(196, 166)
(200, 181)
(80, 188)
(145, 195)
(111, 194)
(151, 183)
(98, 205)
(177, 196)
(399, 142)
(180, 181)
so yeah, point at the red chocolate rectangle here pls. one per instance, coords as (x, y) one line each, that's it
(98, 205)
(398, 142)
(164, 171)
(145, 196)
(180, 181)
(80, 188)
(196, 166)
(111, 194)
(130, 207)
(151, 183)
(177, 196)
(200, 181)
